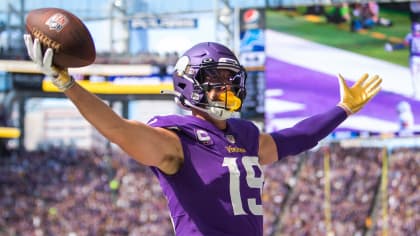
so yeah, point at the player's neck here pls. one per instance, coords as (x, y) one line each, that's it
(220, 124)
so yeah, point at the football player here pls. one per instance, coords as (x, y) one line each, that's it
(208, 164)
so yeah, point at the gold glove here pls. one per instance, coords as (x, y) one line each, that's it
(354, 98)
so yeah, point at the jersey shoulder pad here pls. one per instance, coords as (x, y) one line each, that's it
(241, 124)
(164, 121)
(170, 121)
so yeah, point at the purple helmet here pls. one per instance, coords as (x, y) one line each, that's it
(198, 64)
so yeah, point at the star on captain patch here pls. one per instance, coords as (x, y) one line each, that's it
(230, 138)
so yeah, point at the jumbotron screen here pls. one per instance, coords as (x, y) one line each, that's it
(305, 52)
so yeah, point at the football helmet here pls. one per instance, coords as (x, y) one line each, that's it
(205, 67)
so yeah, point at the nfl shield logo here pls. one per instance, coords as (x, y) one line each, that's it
(57, 22)
(230, 138)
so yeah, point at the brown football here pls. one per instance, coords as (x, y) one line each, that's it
(65, 33)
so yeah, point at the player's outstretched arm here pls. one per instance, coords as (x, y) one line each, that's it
(308, 132)
(150, 146)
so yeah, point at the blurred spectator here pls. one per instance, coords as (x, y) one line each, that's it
(370, 14)
(366, 16)
(339, 14)
(356, 17)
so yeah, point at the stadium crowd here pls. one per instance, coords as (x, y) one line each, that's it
(353, 177)
(79, 192)
(404, 196)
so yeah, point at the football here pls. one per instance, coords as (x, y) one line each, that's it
(65, 33)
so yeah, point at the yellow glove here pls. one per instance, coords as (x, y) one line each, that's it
(60, 77)
(354, 98)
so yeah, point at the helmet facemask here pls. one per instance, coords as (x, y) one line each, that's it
(224, 89)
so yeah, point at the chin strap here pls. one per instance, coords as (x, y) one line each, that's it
(214, 112)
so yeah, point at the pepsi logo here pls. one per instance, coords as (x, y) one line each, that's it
(251, 16)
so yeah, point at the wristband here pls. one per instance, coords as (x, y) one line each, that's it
(345, 108)
(63, 81)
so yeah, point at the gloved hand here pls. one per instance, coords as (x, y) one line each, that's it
(354, 98)
(60, 77)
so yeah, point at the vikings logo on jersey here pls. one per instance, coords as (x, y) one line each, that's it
(233, 149)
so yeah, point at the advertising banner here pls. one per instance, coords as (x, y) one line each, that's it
(252, 57)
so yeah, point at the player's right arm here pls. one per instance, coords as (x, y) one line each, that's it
(149, 146)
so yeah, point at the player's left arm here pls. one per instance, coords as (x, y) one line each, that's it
(302, 136)
(308, 132)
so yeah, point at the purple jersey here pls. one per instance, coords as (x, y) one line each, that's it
(217, 191)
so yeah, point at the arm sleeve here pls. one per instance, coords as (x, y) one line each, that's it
(307, 133)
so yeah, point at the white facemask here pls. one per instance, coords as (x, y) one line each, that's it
(217, 112)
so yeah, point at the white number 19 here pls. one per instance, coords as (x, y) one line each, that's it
(252, 180)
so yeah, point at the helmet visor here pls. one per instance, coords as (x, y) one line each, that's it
(230, 85)
(215, 77)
